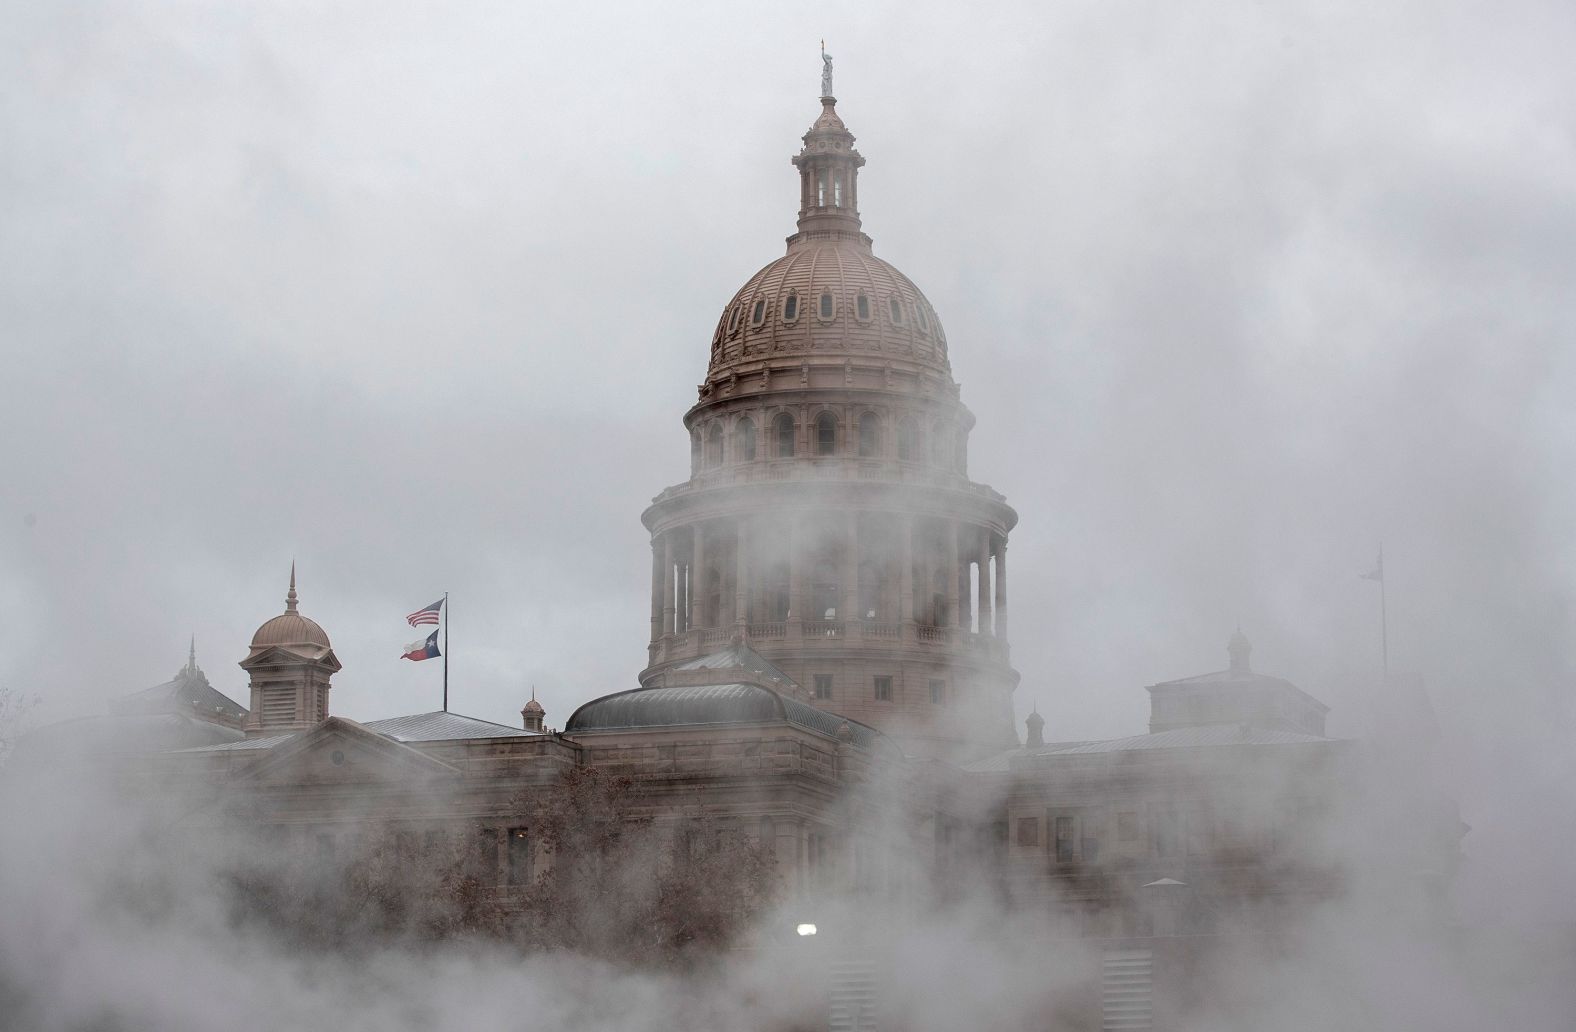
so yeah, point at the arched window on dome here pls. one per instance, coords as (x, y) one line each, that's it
(837, 189)
(910, 442)
(820, 189)
(695, 454)
(826, 434)
(733, 318)
(758, 312)
(783, 434)
(862, 307)
(869, 435)
(924, 323)
(791, 307)
(744, 440)
(895, 307)
(714, 445)
(828, 305)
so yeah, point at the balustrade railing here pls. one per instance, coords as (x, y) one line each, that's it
(823, 628)
(777, 629)
(882, 631)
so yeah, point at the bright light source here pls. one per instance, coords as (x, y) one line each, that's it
(806, 929)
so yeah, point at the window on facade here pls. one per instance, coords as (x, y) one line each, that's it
(711, 601)
(872, 590)
(782, 430)
(826, 305)
(825, 590)
(938, 691)
(820, 189)
(1028, 831)
(826, 434)
(823, 686)
(519, 856)
(1064, 839)
(758, 313)
(884, 689)
(484, 861)
(791, 308)
(714, 445)
(896, 307)
(745, 444)
(869, 435)
(862, 308)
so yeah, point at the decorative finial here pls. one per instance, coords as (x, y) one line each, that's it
(1238, 649)
(191, 658)
(826, 73)
(290, 599)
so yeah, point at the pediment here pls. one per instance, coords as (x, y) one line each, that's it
(292, 655)
(342, 752)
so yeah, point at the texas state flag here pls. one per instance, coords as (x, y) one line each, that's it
(420, 650)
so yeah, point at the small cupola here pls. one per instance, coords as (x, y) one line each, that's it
(828, 172)
(290, 663)
(532, 714)
(1036, 726)
(1239, 649)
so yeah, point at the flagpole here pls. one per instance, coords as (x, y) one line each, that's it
(445, 652)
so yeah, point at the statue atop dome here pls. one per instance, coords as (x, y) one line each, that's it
(826, 72)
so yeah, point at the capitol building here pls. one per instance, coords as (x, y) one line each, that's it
(829, 610)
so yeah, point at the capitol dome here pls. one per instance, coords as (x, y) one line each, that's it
(829, 295)
(290, 628)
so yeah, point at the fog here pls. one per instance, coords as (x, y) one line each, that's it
(417, 295)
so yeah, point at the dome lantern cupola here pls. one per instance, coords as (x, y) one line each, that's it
(828, 174)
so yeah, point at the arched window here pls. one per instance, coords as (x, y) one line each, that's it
(873, 602)
(758, 313)
(783, 431)
(924, 323)
(862, 308)
(896, 307)
(939, 446)
(824, 590)
(695, 450)
(869, 435)
(711, 601)
(826, 434)
(828, 307)
(910, 448)
(744, 440)
(791, 307)
(777, 592)
(733, 319)
(714, 445)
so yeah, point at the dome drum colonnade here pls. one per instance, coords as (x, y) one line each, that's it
(828, 518)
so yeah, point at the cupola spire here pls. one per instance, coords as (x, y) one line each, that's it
(290, 596)
(828, 173)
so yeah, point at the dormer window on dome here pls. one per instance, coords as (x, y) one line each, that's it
(758, 313)
(862, 307)
(896, 308)
(733, 319)
(828, 306)
(791, 307)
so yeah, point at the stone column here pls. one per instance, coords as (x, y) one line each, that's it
(698, 576)
(667, 583)
(983, 609)
(1001, 588)
(849, 607)
(952, 615)
(795, 575)
(656, 590)
(905, 574)
(741, 578)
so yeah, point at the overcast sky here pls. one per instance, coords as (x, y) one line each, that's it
(417, 295)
